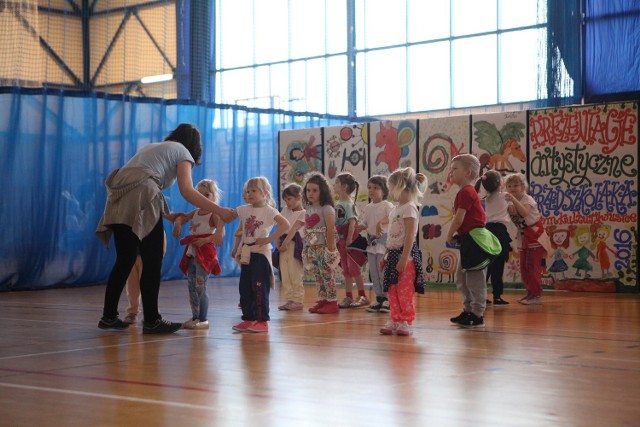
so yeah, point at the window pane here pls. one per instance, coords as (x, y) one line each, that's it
(298, 86)
(473, 16)
(522, 13)
(519, 65)
(271, 29)
(234, 42)
(428, 20)
(316, 86)
(307, 28)
(384, 80)
(236, 86)
(337, 85)
(280, 86)
(429, 77)
(474, 71)
(336, 26)
(380, 23)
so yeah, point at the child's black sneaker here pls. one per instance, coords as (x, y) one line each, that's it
(459, 317)
(499, 301)
(374, 308)
(114, 323)
(472, 321)
(385, 307)
(160, 326)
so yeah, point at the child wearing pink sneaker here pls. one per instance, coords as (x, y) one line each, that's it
(319, 254)
(403, 260)
(256, 273)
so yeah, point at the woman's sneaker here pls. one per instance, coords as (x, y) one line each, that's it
(404, 329)
(160, 326)
(114, 323)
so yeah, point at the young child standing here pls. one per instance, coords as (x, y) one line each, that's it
(468, 214)
(319, 255)
(375, 219)
(290, 250)
(534, 241)
(498, 219)
(403, 260)
(346, 221)
(200, 258)
(256, 274)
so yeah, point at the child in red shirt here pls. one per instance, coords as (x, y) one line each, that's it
(468, 214)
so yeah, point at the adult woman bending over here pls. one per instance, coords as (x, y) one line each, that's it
(133, 215)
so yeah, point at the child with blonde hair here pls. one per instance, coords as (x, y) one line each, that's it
(468, 216)
(533, 239)
(200, 258)
(319, 255)
(346, 220)
(256, 273)
(290, 250)
(403, 260)
(374, 219)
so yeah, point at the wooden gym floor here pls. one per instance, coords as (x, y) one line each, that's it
(574, 361)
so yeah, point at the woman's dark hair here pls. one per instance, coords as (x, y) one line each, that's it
(189, 136)
(326, 196)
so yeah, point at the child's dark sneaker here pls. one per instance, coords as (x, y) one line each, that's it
(160, 326)
(472, 321)
(385, 308)
(459, 317)
(114, 323)
(499, 301)
(374, 308)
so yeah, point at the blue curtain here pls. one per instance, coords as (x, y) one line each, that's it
(612, 50)
(57, 149)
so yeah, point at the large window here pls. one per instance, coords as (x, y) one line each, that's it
(400, 56)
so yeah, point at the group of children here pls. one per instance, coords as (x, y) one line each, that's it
(314, 234)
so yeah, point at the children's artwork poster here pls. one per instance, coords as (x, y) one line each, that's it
(583, 166)
(439, 140)
(300, 154)
(500, 142)
(393, 146)
(346, 149)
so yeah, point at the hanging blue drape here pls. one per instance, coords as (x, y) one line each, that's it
(57, 149)
(612, 50)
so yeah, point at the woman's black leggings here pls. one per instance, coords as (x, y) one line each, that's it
(128, 247)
